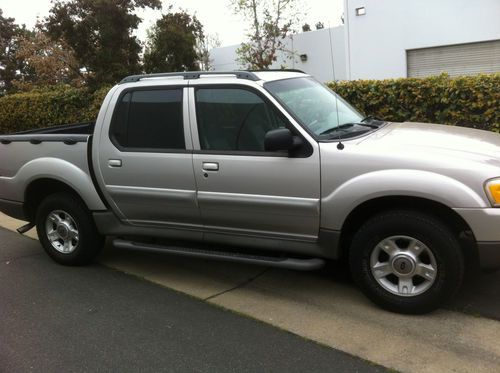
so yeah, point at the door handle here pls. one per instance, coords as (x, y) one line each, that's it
(210, 166)
(115, 163)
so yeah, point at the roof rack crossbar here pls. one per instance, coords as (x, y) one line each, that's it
(192, 75)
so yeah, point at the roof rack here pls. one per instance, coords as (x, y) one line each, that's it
(249, 75)
(287, 70)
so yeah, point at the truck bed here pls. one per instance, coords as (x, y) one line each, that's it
(45, 152)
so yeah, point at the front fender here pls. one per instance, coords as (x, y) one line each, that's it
(337, 205)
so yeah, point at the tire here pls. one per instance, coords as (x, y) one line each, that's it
(406, 261)
(67, 231)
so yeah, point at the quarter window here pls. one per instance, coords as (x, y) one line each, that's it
(234, 119)
(149, 119)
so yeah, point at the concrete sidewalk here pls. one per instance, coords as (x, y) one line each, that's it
(330, 312)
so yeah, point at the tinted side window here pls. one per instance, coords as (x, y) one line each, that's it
(149, 120)
(233, 119)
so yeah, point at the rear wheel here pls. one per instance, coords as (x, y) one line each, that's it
(406, 261)
(67, 231)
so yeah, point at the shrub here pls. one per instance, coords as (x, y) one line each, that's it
(471, 101)
(92, 109)
(44, 107)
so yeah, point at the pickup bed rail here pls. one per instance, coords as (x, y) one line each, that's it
(70, 134)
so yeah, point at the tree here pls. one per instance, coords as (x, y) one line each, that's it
(46, 62)
(100, 33)
(271, 22)
(306, 27)
(10, 34)
(173, 43)
(205, 45)
(320, 25)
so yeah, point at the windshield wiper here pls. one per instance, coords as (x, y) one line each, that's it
(348, 125)
(371, 117)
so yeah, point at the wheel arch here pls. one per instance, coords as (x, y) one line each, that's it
(40, 189)
(364, 211)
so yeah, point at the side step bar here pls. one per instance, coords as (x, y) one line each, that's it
(25, 228)
(279, 262)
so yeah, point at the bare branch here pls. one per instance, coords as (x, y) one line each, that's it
(270, 23)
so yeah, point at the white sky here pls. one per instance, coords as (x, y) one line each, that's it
(215, 15)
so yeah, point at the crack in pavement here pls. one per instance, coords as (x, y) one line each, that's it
(238, 286)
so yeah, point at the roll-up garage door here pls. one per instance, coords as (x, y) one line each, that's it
(460, 59)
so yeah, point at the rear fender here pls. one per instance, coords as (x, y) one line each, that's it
(52, 168)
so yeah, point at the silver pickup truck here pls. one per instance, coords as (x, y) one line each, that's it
(264, 167)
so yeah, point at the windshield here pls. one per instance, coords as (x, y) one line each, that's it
(324, 112)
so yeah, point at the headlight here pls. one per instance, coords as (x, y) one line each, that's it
(493, 191)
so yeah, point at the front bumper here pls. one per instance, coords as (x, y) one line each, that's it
(485, 224)
(13, 209)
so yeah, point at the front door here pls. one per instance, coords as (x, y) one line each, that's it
(242, 189)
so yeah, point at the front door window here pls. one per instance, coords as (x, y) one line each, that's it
(234, 119)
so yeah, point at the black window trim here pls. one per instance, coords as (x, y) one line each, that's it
(125, 149)
(305, 152)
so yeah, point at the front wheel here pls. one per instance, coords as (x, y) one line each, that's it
(406, 261)
(67, 231)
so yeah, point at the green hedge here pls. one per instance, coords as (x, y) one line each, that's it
(472, 101)
(49, 106)
(468, 101)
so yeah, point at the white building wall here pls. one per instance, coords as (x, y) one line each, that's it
(376, 42)
(314, 44)
(224, 58)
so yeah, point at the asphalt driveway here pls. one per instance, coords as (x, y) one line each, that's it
(325, 307)
(55, 318)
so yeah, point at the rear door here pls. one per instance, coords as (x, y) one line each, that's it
(145, 158)
(242, 189)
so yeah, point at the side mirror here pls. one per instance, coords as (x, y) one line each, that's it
(281, 139)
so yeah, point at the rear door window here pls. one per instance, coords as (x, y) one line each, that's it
(149, 119)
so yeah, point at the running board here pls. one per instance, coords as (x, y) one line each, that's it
(290, 263)
(25, 228)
